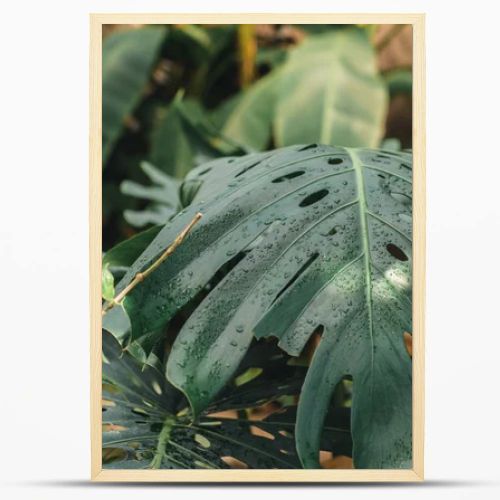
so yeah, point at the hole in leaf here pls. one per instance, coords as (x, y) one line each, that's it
(211, 423)
(335, 161)
(201, 465)
(292, 175)
(337, 461)
(231, 414)
(332, 231)
(325, 457)
(140, 411)
(313, 198)
(306, 264)
(110, 388)
(310, 146)
(234, 463)
(396, 252)
(203, 172)
(110, 455)
(247, 376)
(246, 169)
(308, 351)
(257, 431)
(113, 428)
(157, 388)
(408, 339)
(202, 441)
(381, 176)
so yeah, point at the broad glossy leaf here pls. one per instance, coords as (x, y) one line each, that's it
(143, 423)
(251, 120)
(127, 252)
(127, 60)
(328, 91)
(313, 237)
(184, 138)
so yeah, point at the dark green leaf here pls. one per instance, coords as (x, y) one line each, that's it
(127, 60)
(184, 138)
(126, 252)
(141, 418)
(315, 237)
(399, 81)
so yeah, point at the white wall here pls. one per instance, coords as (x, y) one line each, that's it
(44, 431)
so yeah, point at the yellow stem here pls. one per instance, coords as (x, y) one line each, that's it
(247, 46)
(140, 277)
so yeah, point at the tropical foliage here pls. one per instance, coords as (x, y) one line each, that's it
(262, 316)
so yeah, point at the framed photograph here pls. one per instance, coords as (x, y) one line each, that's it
(257, 247)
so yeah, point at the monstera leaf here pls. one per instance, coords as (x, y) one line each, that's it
(162, 196)
(312, 239)
(145, 424)
(327, 91)
(127, 61)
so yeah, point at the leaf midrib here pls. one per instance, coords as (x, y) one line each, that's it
(365, 240)
(330, 97)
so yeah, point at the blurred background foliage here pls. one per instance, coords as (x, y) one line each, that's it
(176, 96)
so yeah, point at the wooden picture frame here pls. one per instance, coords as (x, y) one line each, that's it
(244, 475)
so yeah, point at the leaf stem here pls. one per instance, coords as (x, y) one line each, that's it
(140, 277)
(247, 47)
(162, 442)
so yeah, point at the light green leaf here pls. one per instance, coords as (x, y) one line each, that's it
(328, 91)
(251, 120)
(162, 194)
(108, 284)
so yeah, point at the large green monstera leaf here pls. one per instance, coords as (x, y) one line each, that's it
(145, 424)
(308, 239)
